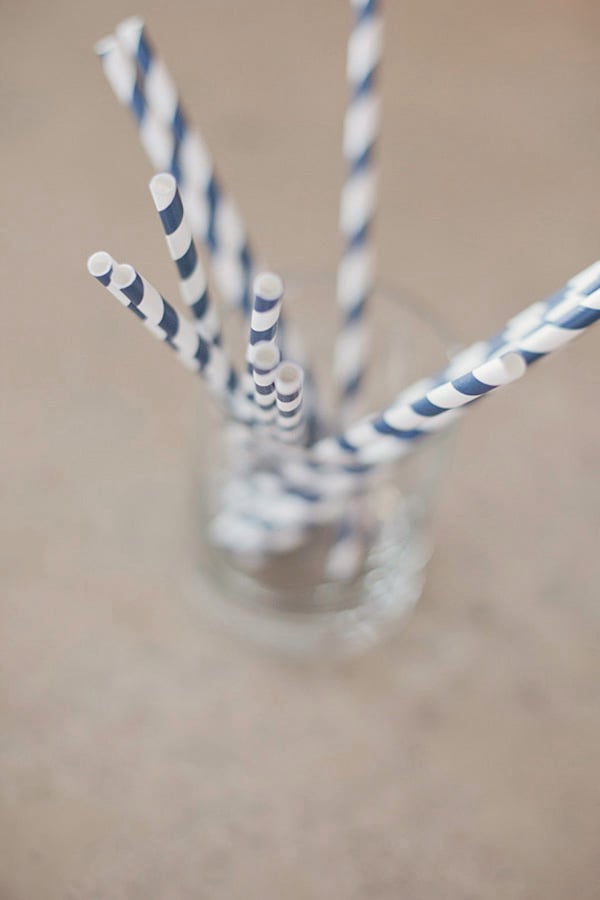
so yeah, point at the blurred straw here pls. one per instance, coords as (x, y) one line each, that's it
(136, 293)
(289, 385)
(213, 214)
(193, 285)
(358, 200)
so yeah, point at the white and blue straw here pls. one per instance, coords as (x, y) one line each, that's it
(121, 73)
(523, 323)
(266, 308)
(267, 294)
(265, 360)
(193, 284)
(289, 384)
(564, 322)
(358, 199)
(370, 440)
(141, 81)
(159, 317)
(567, 315)
(216, 217)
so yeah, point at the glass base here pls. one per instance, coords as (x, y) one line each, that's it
(331, 620)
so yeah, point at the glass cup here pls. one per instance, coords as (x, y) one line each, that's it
(336, 587)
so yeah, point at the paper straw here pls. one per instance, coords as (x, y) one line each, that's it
(242, 535)
(356, 269)
(521, 324)
(266, 308)
(567, 317)
(142, 83)
(279, 521)
(289, 384)
(358, 199)
(213, 214)
(121, 73)
(267, 293)
(193, 285)
(136, 293)
(407, 421)
(265, 359)
(564, 324)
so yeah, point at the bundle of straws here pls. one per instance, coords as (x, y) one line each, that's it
(316, 471)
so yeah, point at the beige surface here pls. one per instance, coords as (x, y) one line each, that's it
(144, 754)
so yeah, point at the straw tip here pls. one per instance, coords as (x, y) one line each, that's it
(123, 275)
(265, 355)
(268, 285)
(100, 263)
(131, 23)
(105, 45)
(163, 187)
(289, 377)
(514, 365)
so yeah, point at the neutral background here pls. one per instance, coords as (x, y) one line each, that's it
(144, 753)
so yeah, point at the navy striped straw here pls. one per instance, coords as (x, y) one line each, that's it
(358, 198)
(213, 214)
(193, 284)
(267, 293)
(142, 83)
(289, 384)
(523, 323)
(406, 421)
(566, 321)
(137, 294)
(265, 359)
(567, 315)
(121, 73)
(266, 307)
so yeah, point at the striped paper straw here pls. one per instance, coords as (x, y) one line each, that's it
(243, 535)
(269, 507)
(213, 214)
(121, 73)
(358, 198)
(277, 522)
(289, 384)
(293, 500)
(266, 308)
(407, 421)
(136, 293)
(267, 293)
(265, 360)
(564, 323)
(193, 285)
(565, 320)
(523, 323)
(584, 283)
(142, 83)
